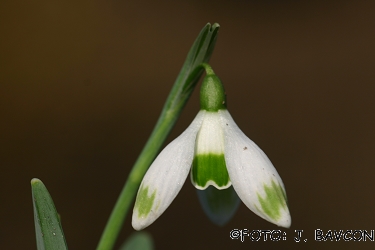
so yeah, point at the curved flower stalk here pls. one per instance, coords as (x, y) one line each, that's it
(218, 154)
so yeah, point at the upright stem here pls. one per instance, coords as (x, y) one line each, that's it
(188, 77)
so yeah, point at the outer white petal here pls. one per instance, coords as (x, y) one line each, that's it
(165, 177)
(251, 171)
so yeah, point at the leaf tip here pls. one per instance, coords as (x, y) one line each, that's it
(215, 26)
(35, 181)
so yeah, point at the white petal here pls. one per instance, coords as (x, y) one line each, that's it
(210, 138)
(165, 177)
(209, 163)
(252, 174)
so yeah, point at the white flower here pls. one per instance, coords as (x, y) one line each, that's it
(218, 154)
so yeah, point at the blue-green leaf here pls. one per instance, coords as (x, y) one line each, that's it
(138, 241)
(48, 230)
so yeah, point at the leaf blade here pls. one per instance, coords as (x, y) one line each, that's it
(48, 229)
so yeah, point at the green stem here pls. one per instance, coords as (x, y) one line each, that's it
(189, 75)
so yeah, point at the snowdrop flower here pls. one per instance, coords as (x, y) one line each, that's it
(218, 153)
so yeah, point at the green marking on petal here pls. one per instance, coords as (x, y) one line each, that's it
(210, 169)
(144, 202)
(275, 200)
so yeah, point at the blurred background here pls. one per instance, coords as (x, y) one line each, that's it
(82, 84)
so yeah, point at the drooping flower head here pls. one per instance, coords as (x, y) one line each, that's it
(218, 154)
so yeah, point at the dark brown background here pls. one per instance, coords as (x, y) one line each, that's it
(83, 82)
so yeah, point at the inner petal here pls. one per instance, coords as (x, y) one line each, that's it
(209, 167)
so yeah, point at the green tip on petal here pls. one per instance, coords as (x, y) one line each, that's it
(144, 202)
(210, 169)
(274, 201)
(212, 95)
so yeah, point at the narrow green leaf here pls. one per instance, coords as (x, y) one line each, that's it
(191, 70)
(48, 230)
(138, 241)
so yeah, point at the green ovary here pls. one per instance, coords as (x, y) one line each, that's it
(210, 167)
(144, 202)
(275, 200)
